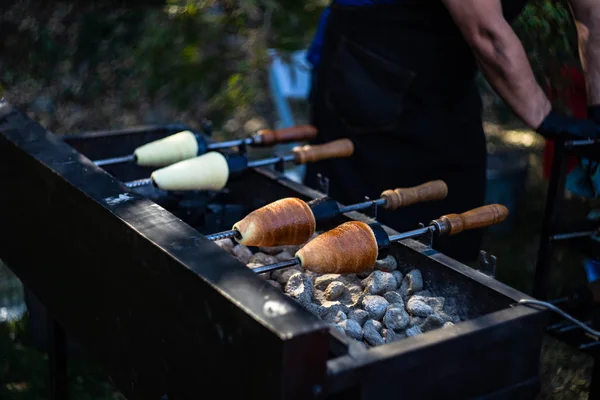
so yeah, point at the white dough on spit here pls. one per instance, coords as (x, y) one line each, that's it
(178, 147)
(207, 172)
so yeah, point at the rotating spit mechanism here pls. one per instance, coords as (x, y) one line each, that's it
(292, 221)
(212, 170)
(347, 277)
(187, 144)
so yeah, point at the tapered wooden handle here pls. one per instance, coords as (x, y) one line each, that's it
(337, 149)
(402, 197)
(480, 217)
(269, 137)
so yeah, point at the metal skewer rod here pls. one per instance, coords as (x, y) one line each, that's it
(296, 261)
(251, 164)
(115, 160)
(139, 183)
(230, 143)
(271, 160)
(223, 235)
(446, 225)
(363, 205)
(284, 264)
(261, 138)
(234, 233)
(413, 233)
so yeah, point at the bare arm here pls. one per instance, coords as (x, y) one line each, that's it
(501, 57)
(587, 21)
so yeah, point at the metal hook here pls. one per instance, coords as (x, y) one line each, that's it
(487, 263)
(323, 183)
(373, 208)
(243, 149)
(280, 164)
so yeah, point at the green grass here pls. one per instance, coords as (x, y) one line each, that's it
(24, 371)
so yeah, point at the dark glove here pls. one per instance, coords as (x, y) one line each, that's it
(594, 113)
(557, 125)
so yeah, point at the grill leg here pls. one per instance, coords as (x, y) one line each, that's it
(555, 192)
(57, 358)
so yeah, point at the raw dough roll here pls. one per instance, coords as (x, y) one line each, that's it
(288, 221)
(207, 172)
(347, 249)
(172, 149)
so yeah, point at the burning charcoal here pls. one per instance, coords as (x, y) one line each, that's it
(317, 310)
(394, 298)
(379, 282)
(263, 259)
(355, 289)
(398, 275)
(283, 275)
(300, 287)
(423, 293)
(334, 290)
(364, 274)
(417, 306)
(358, 315)
(371, 332)
(265, 275)
(437, 303)
(284, 256)
(412, 283)
(447, 324)
(275, 284)
(352, 328)
(242, 253)
(396, 318)
(334, 307)
(375, 306)
(225, 244)
(446, 317)
(432, 322)
(389, 335)
(415, 321)
(388, 264)
(335, 316)
(323, 281)
(339, 328)
(414, 331)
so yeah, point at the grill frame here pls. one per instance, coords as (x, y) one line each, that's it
(156, 256)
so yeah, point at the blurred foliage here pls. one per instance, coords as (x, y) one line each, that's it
(548, 34)
(217, 50)
(24, 373)
(208, 56)
(203, 57)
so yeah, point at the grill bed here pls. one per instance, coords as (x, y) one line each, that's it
(131, 277)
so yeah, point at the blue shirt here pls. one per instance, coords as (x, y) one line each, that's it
(314, 51)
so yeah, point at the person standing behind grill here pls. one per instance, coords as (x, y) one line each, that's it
(398, 77)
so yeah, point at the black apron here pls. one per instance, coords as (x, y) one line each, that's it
(399, 81)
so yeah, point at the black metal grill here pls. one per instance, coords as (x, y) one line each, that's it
(130, 275)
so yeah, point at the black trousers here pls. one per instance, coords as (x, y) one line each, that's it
(447, 144)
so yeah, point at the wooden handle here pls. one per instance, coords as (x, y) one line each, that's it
(402, 197)
(480, 217)
(337, 149)
(268, 137)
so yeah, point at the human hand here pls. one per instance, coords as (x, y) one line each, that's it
(556, 125)
(594, 113)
